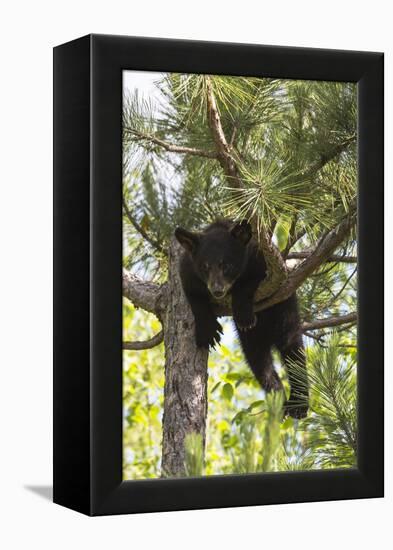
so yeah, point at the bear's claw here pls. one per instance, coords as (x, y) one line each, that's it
(208, 336)
(243, 326)
(296, 410)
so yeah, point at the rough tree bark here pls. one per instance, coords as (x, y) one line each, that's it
(185, 393)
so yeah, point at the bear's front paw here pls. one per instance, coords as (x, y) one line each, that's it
(296, 409)
(245, 320)
(208, 335)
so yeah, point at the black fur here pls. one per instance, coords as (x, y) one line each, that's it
(224, 259)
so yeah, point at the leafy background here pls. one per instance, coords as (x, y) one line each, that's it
(245, 433)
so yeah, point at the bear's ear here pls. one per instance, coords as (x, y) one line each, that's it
(241, 231)
(188, 240)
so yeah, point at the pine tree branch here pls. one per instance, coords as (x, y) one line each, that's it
(274, 261)
(223, 149)
(328, 322)
(155, 244)
(171, 147)
(292, 237)
(336, 296)
(144, 294)
(233, 136)
(336, 258)
(295, 235)
(146, 344)
(330, 155)
(324, 249)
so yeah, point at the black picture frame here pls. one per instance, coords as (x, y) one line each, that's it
(87, 274)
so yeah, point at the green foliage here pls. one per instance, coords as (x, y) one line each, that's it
(269, 192)
(246, 431)
(331, 431)
(143, 384)
(259, 436)
(245, 457)
(294, 141)
(271, 435)
(193, 446)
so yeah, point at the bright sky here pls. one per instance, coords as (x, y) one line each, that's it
(143, 81)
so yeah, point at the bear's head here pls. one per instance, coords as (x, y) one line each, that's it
(219, 254)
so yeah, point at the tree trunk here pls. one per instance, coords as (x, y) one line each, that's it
(185, 394)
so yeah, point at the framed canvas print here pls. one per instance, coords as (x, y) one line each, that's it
(218, 275)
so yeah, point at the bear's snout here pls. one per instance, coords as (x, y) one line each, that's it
(218, 293)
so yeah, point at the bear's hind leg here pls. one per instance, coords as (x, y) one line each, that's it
(295, 361)
(259, 358)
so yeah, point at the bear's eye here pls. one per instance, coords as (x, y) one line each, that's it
(226, 268)
(205, 266)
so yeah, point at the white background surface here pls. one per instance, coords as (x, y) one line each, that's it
(28, 32)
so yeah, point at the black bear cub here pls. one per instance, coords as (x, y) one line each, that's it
(222, 260)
